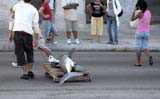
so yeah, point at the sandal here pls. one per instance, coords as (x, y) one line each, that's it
(25, 77)
(150, 61)
(31, 74)
(137, 65)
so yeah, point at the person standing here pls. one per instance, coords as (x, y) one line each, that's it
(71, 19)
(42, 47)
(113, 9)
(52, 5)
(143, 31)
(25, 24)
(47, 25)
(98, 10)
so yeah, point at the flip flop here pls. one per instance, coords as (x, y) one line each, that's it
(150, 61)
(137, 65)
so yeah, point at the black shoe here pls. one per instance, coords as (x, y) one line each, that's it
(150, 61)
(137, 65)
(31, 74)
(110, 42)
(25, 76)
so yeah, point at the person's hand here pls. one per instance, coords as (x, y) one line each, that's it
(10, 36)
(135, 8)
(35, 44)
(46, 16)
(113, 17)
(101, 5)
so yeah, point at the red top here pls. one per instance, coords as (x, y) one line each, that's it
(47, 11)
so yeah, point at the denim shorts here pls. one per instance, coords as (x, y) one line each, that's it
(142, 40)
(48, 27)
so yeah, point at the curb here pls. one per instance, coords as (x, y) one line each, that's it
(83, 47)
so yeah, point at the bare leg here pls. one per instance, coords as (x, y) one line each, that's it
(93, 38)
(29, 67)
(75, 33)
(99, 39)
(138, 53)
(52, 38)
(146, 52)
(46, 51)
(68, 35)
(25, 72)
(25, 68)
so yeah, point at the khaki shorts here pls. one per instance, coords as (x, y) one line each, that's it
(71, 25)
(97, 26)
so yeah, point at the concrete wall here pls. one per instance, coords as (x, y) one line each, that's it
(127, 5)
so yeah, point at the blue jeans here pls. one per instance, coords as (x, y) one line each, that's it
(112, 26)
(142, 40)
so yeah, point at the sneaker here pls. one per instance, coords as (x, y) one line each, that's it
(15, 65)
(52, 59)
(137, 65)
(110, 42)
(76, 41)
(55, 42)
(25, 76)
(69, 41)
(31, 74)
(115, 43)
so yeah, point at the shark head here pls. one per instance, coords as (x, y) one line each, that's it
(66, 64)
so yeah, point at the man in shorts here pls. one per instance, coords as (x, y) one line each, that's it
(71, 19)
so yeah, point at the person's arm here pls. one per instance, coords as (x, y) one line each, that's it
(104, 7)
(67, 7)
(139, 15)
(89, 7)
(41, 10)
(11, 24)
(55, 5)
(36, 28)
(10, 31)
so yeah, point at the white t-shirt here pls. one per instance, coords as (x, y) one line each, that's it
(70, 14)
(26, 18)
(51, 4)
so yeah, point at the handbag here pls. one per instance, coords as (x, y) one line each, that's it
(121, 13)
(134, 24)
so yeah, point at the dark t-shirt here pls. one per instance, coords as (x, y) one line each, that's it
(47, 11)
(97, 9)
(37, 3)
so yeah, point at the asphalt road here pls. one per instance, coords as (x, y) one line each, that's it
(113, 77)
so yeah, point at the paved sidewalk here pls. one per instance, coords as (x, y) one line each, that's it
(126, 42)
